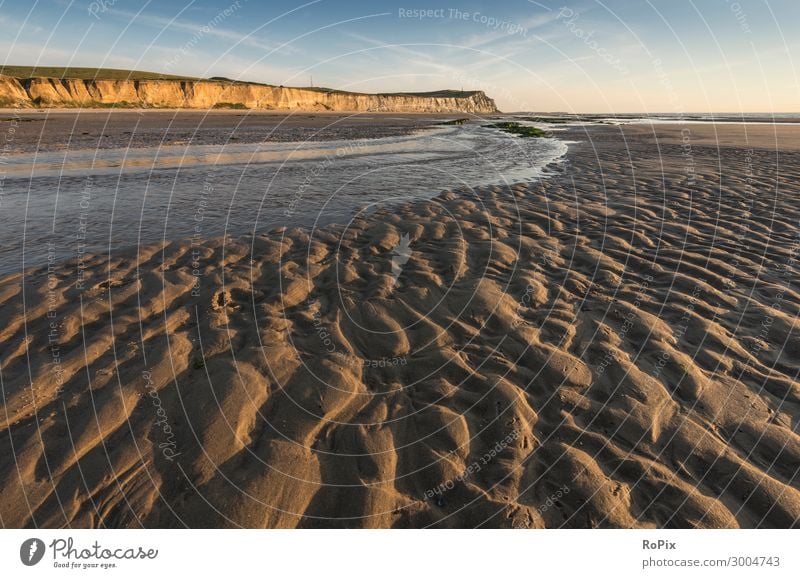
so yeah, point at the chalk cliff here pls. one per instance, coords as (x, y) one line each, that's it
(73, 92)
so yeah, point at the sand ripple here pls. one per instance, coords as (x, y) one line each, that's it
(616, 346)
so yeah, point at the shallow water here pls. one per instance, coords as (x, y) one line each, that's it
(62, 203)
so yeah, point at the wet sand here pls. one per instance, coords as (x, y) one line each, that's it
(58, 129)
(615, 346)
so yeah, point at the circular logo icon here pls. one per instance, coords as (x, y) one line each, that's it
(32, 551)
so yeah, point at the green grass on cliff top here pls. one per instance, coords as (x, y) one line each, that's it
(86, 73)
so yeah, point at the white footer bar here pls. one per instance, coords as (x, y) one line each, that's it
(396, 553)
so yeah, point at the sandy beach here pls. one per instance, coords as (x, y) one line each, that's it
(613, 346)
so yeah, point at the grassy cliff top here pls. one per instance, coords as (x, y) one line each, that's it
(86, 73)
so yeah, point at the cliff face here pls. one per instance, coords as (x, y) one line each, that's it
(206, 94)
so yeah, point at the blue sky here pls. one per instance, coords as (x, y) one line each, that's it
(587, 56)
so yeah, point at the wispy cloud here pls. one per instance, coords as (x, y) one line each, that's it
(26, 26)
(515, 31)
(409, 55)
(203, 29)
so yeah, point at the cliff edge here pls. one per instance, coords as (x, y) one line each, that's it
(205, 94)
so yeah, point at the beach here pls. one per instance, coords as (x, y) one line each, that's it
(612, 346)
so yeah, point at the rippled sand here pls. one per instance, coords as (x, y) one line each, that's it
(616, 346)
